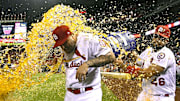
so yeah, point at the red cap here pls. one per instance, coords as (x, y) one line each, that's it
(164, 31)
(60, 35)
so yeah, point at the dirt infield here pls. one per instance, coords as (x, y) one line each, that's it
(127, 90)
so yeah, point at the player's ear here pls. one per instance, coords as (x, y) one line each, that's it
(74, 36)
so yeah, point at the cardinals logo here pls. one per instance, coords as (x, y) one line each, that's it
(161, 55)
(161, 30)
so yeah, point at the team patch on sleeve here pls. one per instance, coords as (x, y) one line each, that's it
(161, 55)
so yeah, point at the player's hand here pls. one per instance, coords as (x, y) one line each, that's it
(81, 72)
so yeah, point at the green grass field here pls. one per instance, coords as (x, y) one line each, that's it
(52, 90)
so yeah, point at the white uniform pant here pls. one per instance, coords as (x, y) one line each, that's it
(143, 96)
(91, 95)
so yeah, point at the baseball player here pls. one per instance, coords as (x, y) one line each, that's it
(83, 54)
(158, 67)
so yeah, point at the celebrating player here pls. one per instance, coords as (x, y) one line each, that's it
(83, 54)
(158, 68)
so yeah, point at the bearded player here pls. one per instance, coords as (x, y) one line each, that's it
(158, 68)
(83, 55)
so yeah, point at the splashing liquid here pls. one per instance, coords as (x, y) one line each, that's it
(39, 42)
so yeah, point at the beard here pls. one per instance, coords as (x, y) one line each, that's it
(157, 46)
(158, 43)
(70, 48)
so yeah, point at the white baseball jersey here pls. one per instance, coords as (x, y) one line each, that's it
(89, 46)
(166, 82)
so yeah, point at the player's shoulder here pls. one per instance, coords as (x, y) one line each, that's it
(87, 36)
(166, 50)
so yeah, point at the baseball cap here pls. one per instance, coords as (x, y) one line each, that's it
(60, 35)
(163, 31)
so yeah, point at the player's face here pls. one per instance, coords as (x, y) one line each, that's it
(69, 45)
(158, 41)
